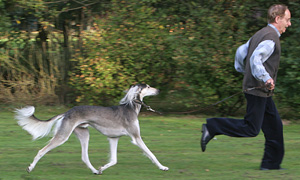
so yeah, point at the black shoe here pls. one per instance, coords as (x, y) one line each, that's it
(206, 137)
(267, 169)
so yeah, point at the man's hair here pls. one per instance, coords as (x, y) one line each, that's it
(276, 10)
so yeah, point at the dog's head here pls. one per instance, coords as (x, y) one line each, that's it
(146, 90)
(138, 92)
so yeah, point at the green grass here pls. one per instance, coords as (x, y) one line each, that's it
(173, 139)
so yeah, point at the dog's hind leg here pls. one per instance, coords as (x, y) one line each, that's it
(60, 137)
(113, 142)
(140, 143)
(84, 136)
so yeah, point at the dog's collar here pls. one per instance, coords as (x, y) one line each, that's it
(138, 101)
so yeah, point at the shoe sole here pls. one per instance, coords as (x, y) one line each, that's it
(203, 148)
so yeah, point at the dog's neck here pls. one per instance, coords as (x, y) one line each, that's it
(137, 102)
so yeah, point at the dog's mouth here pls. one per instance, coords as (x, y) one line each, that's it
(156, 92)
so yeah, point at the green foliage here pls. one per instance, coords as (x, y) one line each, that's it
(289, 74)
(4, 21)
(122, 50)
(185, 48)
(204, 50)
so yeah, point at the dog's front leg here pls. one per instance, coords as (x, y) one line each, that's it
(140, 143)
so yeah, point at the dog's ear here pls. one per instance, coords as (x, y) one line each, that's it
(133, 85)
(144, 85)
(130, 86)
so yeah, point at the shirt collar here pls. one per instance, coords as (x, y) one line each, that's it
(272, 26)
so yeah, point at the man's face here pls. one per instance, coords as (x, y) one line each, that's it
(284, 22)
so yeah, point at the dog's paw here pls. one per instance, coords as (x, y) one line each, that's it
(29, 168)
(97, 172)
(100, 171)
(164, 168)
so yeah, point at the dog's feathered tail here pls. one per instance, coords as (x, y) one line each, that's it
(37, 128)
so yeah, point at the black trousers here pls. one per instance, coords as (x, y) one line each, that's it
(261, 114)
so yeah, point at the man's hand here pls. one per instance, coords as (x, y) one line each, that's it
(270, 84)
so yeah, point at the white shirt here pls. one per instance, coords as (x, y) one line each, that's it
(261, 54)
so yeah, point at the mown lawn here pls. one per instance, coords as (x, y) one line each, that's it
(173, 139)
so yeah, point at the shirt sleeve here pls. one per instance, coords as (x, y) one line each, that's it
(261, 54)
(240, 56)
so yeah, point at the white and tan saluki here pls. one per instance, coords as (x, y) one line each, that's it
(113, 122)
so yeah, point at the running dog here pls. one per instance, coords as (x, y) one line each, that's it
(113, 122)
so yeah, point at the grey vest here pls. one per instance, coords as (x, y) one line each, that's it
(271, 65)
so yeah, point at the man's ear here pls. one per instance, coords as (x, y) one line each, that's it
(277, 19)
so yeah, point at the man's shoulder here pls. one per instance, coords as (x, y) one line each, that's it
(267, 33)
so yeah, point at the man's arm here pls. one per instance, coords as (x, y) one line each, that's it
(261, 54)
(240, 56)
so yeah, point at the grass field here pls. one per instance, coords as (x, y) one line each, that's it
(173, 139)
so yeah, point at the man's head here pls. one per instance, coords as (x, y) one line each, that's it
(280, 16)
